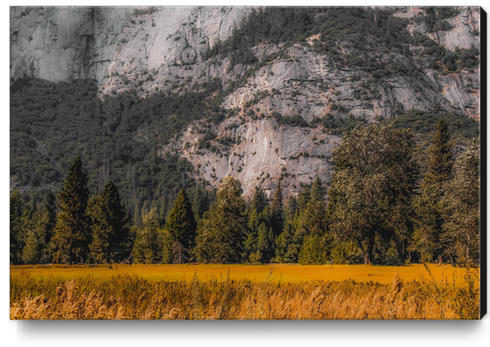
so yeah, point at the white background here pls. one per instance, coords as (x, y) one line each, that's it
(205, 333)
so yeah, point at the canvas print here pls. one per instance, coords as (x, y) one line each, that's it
(245, 163)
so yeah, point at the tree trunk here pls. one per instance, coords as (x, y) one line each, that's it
(367, 258)
(368, 255)
(452, 260)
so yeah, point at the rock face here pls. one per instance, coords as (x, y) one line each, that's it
(263, 153)
(150, 49)
(63, 43)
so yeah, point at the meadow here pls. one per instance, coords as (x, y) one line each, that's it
(255, 273)
(243, 292)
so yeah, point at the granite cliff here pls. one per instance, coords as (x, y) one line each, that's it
(151, 50)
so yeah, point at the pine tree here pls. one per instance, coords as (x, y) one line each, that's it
(316, 245)
(49, 205)
(182, 226)
(259, 201)
(428, 224)
(439, 165)
(304, 196)
(291, 207)
(317, 191)
(71, 234)
(147, 244)
(461, 208)
(31, 252)
(27, 226)
(15, 227)
(277, 209)
(109, 224)
(313, 251)
(222, 232)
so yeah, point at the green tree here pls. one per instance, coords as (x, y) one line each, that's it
(168, 243)
(374, 180)
(147, 244)
(49, 206)
(317, 190)
(71, 233)
(221, 235)
(31, 251)
(315, 248)
(429, 220)
(109, 224)
(259, 201)
(15, 227)
(313, 251)
(461, 206)
(182, 226)
(285, 239)
(304, 196)
(277, 209)
(439, 163)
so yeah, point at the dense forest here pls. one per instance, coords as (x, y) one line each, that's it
(377, 213)
(118, 141)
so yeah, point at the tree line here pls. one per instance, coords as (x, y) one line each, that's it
(389, 203)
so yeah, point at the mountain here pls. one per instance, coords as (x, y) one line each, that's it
(156, 98)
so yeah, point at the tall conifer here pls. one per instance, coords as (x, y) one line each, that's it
(277, 210)
(317, 191)
(110, 230)
(15, 227)
(439, 165)
(222, 231)
(429, 219)
(71, 234)
(182, 225)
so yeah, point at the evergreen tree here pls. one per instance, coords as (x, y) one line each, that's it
(167, 247)
(313, 251)
(49, 205)
(439, 165)
(42, 224)
(428, 230)
(71, 233)
(31, 252)
(15, 227)
(259, 201)
(277, 209)
(304, 196)
(110, 229)
(27, 226)
(298, 233)
(317, 191)
(461, 207)
(265, 240)
(250, 245)
(182, 226)
(291, 208)
(260, 242)
(316, 245)
(221, 235)
(286, 251)
(314, 219)
(147, 247)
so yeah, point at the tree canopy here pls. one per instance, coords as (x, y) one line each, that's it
(374, 181)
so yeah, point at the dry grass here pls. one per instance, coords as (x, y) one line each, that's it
(281, 273)
(126, 296)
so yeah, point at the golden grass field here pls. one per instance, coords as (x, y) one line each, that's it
(243, 292)
(256, 273)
